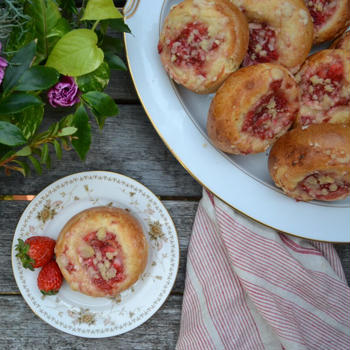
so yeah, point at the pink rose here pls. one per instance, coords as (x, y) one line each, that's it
(65, 93)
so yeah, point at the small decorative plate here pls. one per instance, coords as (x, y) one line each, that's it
(78, 314)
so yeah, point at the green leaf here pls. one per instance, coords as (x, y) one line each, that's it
(24, 152)
(115, 62)
(24, 168)
(81, 140)
(119, 25)
(29, 120)
(101, 9)
(18, 102)
(36, 164)
(38, 78)
(11, 135)
(76, 53)
(96, 80)
(61, 28)
(44, 153)
(58, 149)
(101, 103)
(112, 44)
(45, 14)
(17, 66)
(67, 131)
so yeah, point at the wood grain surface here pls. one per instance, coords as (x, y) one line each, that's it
(129, 145)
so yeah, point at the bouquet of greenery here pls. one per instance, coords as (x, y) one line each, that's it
(54, 54)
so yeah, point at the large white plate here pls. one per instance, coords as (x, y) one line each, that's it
(179, 116)
(78, 314)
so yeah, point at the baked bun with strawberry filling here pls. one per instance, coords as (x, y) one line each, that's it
(324, 81)
(313, 162)
(343, 42)
(279, 32)
(202, 42)
(253, 108)
(101, 251)
(330, 18)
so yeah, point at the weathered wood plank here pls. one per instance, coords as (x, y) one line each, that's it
(10, 212)
(121, 87)
(21, 329)
(128, 144)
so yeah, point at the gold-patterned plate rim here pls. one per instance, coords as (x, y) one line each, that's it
(82, 322)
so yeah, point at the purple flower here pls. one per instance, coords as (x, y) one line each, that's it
(3, 65)
(65, 93)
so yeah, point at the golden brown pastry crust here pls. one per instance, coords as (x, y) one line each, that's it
(342, 43)
(324, 80)
(110, 260)
(313, 162)
(248, 97)
(292, 25)
(202, 42)
(334, 23)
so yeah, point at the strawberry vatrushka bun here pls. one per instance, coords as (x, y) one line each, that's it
(280, 31)
(330, 18)
(101, 251)
(324, 82)
(253, 107)
(313, 162)
(202, 42)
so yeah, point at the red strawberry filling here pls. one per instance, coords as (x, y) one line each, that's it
(103, 259)
(191, 46)
(324, 186)
(327, 81)
(262, 44)
(270, 115)
(321, 10)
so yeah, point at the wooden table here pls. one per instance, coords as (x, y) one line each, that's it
(128, 145)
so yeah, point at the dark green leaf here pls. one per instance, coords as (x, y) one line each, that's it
(101, 9)
(6, 152)
(112, 44)
(53, 130)
(96, 80)
(36, 164)
(29, 120)
(24, 166)
(102, 105)
(114, 61)
(11, 135)
(58, 149)
(44, 153)
(17, 66)
(82, 138)
(68, 7)
(38, 78)
(18, 102)
(45, 14)
(24, 152)
(119, 25)
(48, 161)
(66, 121)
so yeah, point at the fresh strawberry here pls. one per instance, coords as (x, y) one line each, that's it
(50, 278)
(36, 251)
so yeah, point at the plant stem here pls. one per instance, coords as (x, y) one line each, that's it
(95, 25)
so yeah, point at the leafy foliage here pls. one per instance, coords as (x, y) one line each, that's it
(47, 41)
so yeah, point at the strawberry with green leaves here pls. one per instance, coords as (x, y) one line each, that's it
(35, 251)
(50, 278)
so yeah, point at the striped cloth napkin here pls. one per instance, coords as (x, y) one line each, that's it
(249, 287)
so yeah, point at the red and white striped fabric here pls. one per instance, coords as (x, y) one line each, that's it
(248, 287)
